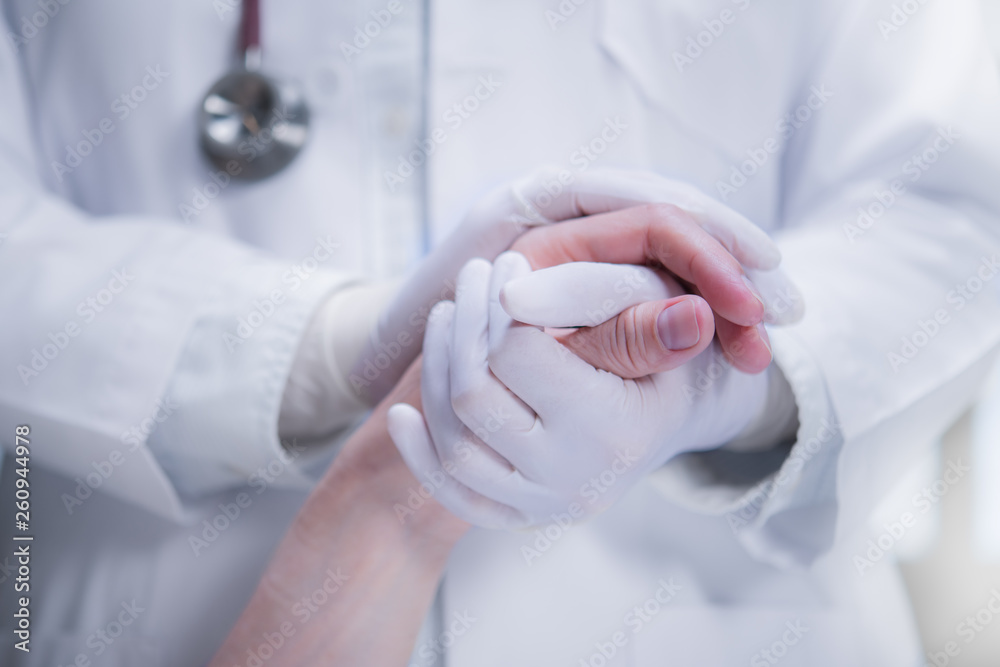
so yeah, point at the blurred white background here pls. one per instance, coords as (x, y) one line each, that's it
(951, 560)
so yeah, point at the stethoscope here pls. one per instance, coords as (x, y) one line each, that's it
(252, 126)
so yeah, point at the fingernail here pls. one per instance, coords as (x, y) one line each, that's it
(764, 338)
(677, 326)
(753, 290)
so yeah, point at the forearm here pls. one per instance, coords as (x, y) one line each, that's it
(380, 572)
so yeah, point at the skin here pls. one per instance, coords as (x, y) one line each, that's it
(349, 523)
(629, 345)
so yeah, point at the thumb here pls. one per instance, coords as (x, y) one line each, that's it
(652, 337)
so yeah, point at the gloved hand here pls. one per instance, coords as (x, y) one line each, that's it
(365, 336)
(519, 429)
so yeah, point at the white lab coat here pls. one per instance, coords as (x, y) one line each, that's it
(757, 557)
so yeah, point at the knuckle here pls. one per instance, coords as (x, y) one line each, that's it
(657, 218)
(662, 212)
(626, 343)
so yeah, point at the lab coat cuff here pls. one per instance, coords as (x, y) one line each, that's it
(780, 503)
(294, 458)
(228, 388)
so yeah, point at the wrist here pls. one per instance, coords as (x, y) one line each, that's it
(319, 397)
(379, 487)
(372, 481)
(349, 535)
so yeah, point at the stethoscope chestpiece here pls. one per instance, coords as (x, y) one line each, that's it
(252, 126)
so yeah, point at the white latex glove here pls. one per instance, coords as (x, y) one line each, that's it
(364, 337)
(630, 345)
(524, 431)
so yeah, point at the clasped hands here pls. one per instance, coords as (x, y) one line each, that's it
(594, 351)
(615, 335)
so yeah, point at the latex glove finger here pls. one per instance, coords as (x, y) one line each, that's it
(409, 433)
(660, 233)
(603, 191)
(447, 434)
(783, 302)
(531, 363)
(582, 294)
(479, 399)
(462, 453)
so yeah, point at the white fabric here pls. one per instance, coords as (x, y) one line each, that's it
(607, 72)
(985, 431)
(884, 100)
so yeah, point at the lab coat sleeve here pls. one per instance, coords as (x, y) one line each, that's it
(147, 358)
(891, 211)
